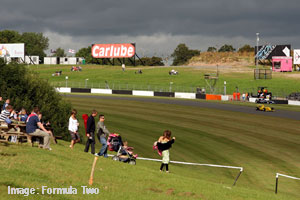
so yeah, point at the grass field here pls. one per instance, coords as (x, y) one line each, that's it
(158, 79)
(262, 145)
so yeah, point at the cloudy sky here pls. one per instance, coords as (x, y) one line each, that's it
(156, 26)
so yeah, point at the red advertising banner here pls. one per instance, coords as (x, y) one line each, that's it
(125, 50)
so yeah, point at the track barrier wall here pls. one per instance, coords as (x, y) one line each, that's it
(81, 90)
(101, 91)
(183, 95)
(142, 93)
(213, 97)
(63, 90)
(164, 94)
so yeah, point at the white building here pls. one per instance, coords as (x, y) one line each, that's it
(64, 60)
(32, 60)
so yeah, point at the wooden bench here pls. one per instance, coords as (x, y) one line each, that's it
(21, 137)
(11, 130)
(19, 130)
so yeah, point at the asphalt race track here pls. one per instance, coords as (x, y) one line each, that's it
(204, 104)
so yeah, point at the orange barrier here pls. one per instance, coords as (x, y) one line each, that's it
(213, 97)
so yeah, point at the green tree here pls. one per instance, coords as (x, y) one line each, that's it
(226, 48)
(246, 48)
(59, 52)
(211, 49)
(35, 44)
(151, 61)
(87, 54)
(182, 54)
(27, 90)
(9, 36)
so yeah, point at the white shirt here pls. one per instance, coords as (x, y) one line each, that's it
(73, 124)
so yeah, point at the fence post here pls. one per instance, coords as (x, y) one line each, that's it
(276, 186)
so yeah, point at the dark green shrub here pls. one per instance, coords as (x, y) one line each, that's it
(25, 89)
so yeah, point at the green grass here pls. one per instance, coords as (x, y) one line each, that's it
(158, 79)
(27, 167)
(262, 145)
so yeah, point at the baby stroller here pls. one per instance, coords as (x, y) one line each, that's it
(114, 143)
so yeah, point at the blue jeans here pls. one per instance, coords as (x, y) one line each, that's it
(103, 150)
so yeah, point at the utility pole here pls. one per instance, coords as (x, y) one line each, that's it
(257, 40)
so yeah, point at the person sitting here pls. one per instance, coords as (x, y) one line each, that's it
(127, 150)
(34, 127)
(22, 115)
(6, 113)
(173, 72)
(139, 72)
(7, 102)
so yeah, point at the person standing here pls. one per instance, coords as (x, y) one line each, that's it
(73, 128)
(102, 133)
(34, 127)
(123, 67)
(90, 130)
(166, 138)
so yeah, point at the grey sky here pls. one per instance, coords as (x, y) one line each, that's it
(157, 26)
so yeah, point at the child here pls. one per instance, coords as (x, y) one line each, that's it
(128, 149)
(6, 113)
(164, 143)
(73, 128)
(22, 115)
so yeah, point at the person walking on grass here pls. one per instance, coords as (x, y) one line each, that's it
(90, 130)
(73, 128)
(102, 133)
(166, 139)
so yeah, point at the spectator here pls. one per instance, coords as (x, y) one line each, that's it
(165, 153)
(123, 67)
(102, 134)
(90, 129)
(7, 102)
(73, 128)
(6, 113)
(34, 127)
(44, 124)
(128, 149)
(22, 115)
(47, 126)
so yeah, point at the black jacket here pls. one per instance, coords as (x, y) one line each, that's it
(90, 125)
(165, 146)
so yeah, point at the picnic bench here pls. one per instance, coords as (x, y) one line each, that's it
(18, 129)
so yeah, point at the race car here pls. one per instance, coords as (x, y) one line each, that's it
(264, 108)
(262, 100)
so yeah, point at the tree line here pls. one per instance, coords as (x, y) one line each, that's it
(37, 43)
